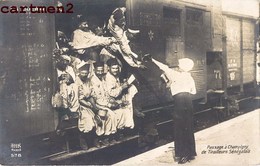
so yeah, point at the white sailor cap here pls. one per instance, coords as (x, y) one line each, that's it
(186, 64)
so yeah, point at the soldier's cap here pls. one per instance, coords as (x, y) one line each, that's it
(83, 66)
(112, 61)
(99, 64)
(186, 64)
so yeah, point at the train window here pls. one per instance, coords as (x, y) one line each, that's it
(172, 21)
(194, 16)
(171, 15)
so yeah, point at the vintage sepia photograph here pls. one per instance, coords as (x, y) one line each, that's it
(129, 82)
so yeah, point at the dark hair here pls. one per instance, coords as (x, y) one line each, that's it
(112, 61)
(99, 64)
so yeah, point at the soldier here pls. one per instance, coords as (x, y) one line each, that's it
(67, 88)
(101, 98)
(84, 40)
(65, 99)
(121, 93)
(117, 27)
(94, 115)
(87, 121)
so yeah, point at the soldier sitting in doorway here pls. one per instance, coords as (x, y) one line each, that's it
(121, 93)
(65, 99)
(109, 121)
(94, 120)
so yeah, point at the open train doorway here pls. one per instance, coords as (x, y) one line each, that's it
(214, 71)
(94, 12)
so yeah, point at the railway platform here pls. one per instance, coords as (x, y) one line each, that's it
(233, 142)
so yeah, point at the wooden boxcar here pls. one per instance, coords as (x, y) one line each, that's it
(222, 45)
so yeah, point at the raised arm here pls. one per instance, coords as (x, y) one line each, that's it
(83, 40)
(167, 72)
(162, 66)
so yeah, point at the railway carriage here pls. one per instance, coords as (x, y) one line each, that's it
(222, 44)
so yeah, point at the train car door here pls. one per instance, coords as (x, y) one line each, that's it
(240, 51)
(233, 33)
(214, 71)
(248, 50)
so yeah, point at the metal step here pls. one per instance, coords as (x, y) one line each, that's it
(81, 152)
(219, 91)
(219, 107)
(257, 98)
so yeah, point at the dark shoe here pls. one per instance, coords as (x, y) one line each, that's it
(119, 137)
(176, 159)
(191, 157)
(139, 114)
(112, 141)
(64, 147)
(83, 143)
(60, 132)
(97, 143)
(183, 160)
(105, 142)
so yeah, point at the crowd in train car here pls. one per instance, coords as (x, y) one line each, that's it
(103, 98)
(89, 80)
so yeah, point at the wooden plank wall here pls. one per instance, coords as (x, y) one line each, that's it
(28, 41)
(248, 51)
(233, 51)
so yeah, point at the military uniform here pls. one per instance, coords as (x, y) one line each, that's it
(101, 97)
(116, 26)
(124, 114)
(86, 119)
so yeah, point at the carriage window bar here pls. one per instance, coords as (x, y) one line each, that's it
(194, 16)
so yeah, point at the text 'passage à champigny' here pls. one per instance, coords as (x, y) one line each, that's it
(226, 149)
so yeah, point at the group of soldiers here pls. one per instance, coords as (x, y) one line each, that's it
(89, 80)
(90, 85)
